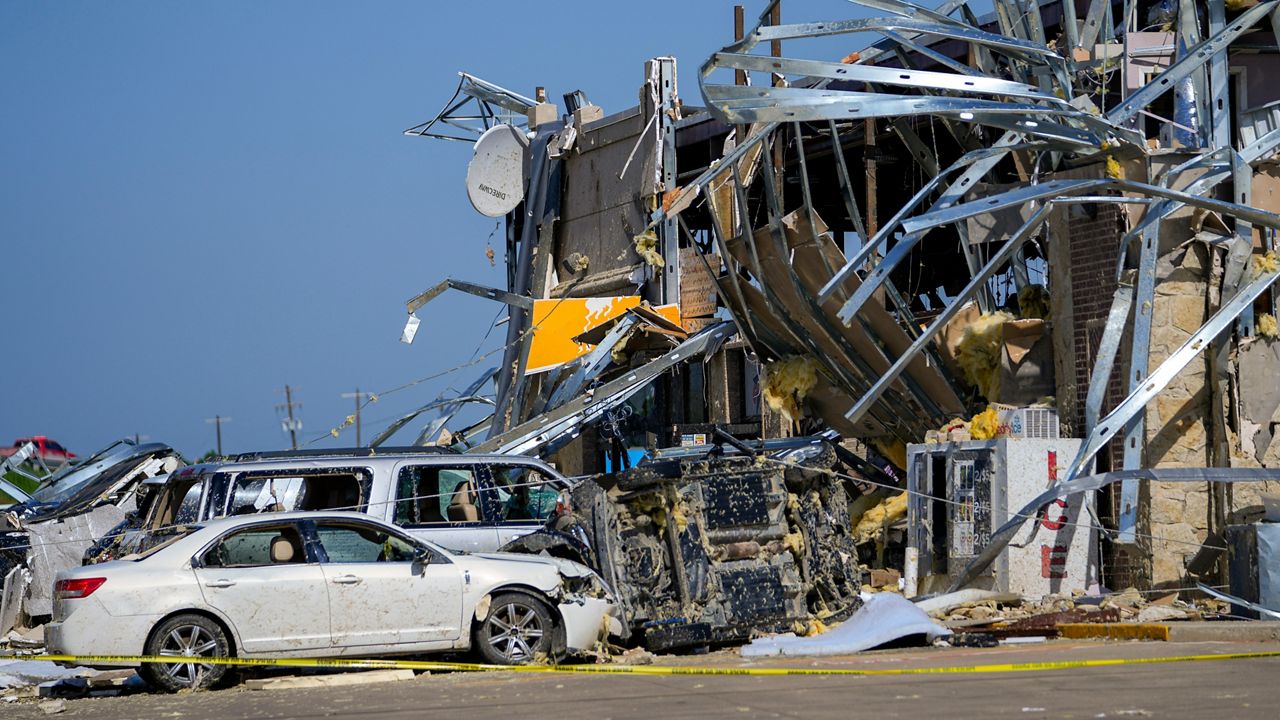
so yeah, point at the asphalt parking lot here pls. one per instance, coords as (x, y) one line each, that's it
(1219, 688)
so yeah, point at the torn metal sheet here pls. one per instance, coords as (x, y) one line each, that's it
(1238, 601)
(882, 76)
(492, 104)
(415, 304)
(11, 463)
(439, 403)
(591, 364)
(554, 425)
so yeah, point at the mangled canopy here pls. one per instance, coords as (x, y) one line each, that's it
(791, 290)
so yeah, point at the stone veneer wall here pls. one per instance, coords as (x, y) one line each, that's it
(1177, 421)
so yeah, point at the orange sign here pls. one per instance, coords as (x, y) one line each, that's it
(557, 322)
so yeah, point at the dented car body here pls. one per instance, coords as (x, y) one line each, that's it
(321, 585)
(704, 547)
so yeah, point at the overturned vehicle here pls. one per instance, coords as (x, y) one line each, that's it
(50, 530)
(706, 546)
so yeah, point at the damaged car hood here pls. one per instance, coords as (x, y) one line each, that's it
(567, 568)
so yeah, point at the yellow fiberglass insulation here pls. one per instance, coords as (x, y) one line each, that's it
(787, 382)
(647, 248)
(979, 352)
(1265, 263)
(984, 425)
(619, 352)
(1033, 302)
(1114, 168)
(893, 449)
(810, 627)
(885, 513)
(795, 543)
(1266, 326)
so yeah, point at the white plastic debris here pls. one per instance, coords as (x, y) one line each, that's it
(410, 329)
(941, 604)
(20, 673)
(884, 618)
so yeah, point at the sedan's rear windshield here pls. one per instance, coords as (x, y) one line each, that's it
(178, 534)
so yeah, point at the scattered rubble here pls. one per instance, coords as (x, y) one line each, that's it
(71, 511)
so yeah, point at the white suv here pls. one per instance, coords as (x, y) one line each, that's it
(475, 503)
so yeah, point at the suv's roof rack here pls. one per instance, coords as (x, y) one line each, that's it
(342, 452)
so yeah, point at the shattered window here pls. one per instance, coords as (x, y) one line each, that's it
(147, 552)
(434, 494)
(257, 546)
(523, 494)
(283, 492)
(362, 544)
(177, 503)
(189, 508)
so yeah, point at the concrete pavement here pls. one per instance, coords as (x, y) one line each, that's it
(1221, 688)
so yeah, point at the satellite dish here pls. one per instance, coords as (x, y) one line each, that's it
(495, 175)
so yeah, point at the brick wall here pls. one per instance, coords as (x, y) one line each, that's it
(1094, 233)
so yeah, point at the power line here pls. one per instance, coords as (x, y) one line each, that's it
(359, 396)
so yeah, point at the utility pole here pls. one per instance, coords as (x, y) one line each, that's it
(359, 396)
(217, 421)
(292, 425)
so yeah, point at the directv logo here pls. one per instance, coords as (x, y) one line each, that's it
(493, 191)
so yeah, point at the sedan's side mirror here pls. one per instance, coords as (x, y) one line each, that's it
(424, 556)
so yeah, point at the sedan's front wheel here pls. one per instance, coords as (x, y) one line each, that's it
(517, 631)
(186, 636)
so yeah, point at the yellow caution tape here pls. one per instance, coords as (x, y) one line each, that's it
(356, 664)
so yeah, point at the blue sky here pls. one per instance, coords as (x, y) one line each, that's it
(202, 202)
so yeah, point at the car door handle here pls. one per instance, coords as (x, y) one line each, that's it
(220, 583)
(346, 580)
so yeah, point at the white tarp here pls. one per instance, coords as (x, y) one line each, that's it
(884, 618)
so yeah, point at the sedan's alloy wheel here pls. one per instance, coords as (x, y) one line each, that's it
(188, 641)
(520, 630)
(187, 635)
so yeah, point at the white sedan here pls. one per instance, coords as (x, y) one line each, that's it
(316, 585)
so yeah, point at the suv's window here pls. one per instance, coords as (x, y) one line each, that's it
(189, 508)
(434, 494)
(176, 503)
(257, 546)
(362, 544)
(283, 491)
(523, 494)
